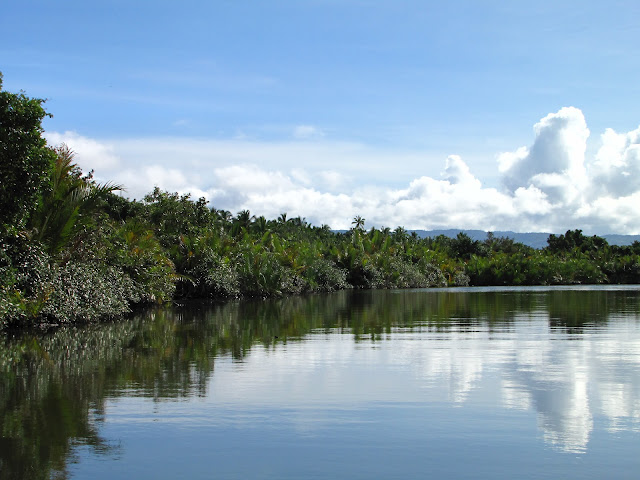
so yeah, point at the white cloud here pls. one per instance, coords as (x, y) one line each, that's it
(616, 170)
(332, 180)
(457, 172)
(548, 186)
(531, 200)
(90, 154)
(301, 176)
(555, 162)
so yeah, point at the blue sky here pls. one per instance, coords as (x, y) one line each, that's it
(331, 109)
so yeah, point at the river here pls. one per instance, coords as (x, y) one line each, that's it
(540, 382)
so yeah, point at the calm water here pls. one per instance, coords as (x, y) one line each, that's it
(464, 383)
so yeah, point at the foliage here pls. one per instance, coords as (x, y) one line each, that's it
(205, 272)
(88, 292)
(574, 240)
(324, 276)
(172, 215)
(25, 159)
(134, 250)
(25, 276)
(67, 209)
(36, 288)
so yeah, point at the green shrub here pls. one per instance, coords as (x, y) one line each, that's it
(209, 275)
(88, 291)
(25, 278)
(324, 276)
(434, 276)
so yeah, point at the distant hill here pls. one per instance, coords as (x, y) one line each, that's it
(533, 239)
(614, 239)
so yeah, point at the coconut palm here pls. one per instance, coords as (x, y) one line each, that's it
(358, 223)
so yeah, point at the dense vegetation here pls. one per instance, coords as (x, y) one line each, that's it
(72, 249)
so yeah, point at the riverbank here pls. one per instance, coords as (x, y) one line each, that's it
(72, 249)
(144, 258)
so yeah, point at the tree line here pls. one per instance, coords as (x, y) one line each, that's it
(72, 249)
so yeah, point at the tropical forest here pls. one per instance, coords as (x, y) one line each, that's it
(76, 250)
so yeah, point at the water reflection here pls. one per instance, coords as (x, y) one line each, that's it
(570, 356)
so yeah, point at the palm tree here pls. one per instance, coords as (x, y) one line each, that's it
(244, 218)
(282, 218)
(298, 221)
(242, 222)
(260, 225)
(222, 219)
(400, 234)
(68, 208)
(358, 222)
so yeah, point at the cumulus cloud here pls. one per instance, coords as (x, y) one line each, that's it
(457, 172)
(616, 169)
(549, 185)
(555, 162)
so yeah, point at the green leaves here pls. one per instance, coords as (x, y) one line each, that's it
(67, 210)
(25, 159)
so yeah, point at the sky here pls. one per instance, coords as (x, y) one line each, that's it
(489, 115)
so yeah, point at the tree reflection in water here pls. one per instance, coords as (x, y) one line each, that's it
(53, 387)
